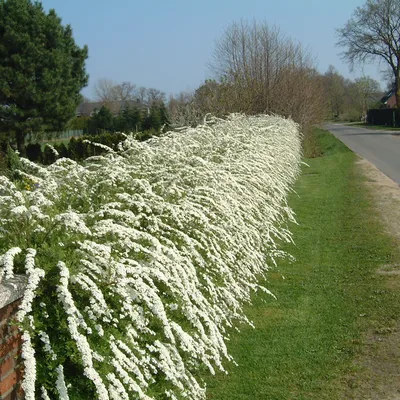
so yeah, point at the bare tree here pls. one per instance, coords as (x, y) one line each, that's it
(155, 96)
(364, 92)
(125, 91)
(142, 94)
(259, 69)
(105, 90)
(215, 97)
(335, 88)
(108, 91)
(183, 110)
(373, 32)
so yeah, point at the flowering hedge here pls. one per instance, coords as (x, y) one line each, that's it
(141, 259)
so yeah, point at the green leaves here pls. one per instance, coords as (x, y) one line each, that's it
(42, 70)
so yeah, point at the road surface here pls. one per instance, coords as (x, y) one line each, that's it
(381, 148)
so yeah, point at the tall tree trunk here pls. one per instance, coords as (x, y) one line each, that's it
(396, 85)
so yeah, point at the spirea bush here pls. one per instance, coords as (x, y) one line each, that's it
(140, 260)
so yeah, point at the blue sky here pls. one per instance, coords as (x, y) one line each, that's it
(167, 44)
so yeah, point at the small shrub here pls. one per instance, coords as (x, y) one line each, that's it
(49, 155)
(34, 152)
(62, 149)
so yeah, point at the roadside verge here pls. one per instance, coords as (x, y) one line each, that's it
(311, 342)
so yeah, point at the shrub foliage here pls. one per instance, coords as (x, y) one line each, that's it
(138, 260)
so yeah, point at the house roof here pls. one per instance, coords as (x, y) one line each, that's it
(387, 96)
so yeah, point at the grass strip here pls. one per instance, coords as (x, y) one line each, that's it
(305, 342)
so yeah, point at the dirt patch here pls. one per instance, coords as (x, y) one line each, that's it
(377, 371)
(386, 194)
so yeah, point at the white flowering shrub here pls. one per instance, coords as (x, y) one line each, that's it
(139, 261)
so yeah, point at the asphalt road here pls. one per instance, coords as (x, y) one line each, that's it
(381, 148)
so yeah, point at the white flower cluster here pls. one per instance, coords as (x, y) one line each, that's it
(7, 263)
(154, 250)
(99, 145)
(34, 277)
(60, 383)
(28, 355)
(54, 151)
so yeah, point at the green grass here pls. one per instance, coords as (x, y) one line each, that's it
(305, 342)
(54, 142)
(376, 127)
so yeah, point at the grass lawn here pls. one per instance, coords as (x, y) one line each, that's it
(376, 127)
(305, 342)
(54, 142)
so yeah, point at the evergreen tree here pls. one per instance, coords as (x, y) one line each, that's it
(101, 121)
(153, 119)
(130, 120)
(164, 117)
(42, 70)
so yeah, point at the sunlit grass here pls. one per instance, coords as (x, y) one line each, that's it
(305, 342)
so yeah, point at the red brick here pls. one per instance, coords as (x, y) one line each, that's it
(7, 311)
(10, 352)
(7, 383)
(11, 395)
(11, 345)
(6, 366)
(7, 330)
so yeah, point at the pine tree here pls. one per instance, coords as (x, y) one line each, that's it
(42, 70)
(102, 121)
(130, 120)
(153, 119)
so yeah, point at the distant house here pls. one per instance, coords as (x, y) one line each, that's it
(87, 109)
(389, 99)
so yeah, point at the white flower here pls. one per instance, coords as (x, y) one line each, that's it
(55, 152)
(60, 383)
(45, 395)
(44, 337)
(7, 263)
(74, 320)
(19, 210)
(74, 222)
(34, 277)
(173, 233)
(29, 377)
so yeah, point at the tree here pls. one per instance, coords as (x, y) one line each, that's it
(130, 120)
(365, 91)
(42, 70)
(259, 69)
(142, 94)
(101, 121)
(373, 32)
(154, 96)
(335, 87)
(104, 90)
(184, 110)
(153, 119)
(126, 91)
(164, 115)
(213, 97)
(108, 91)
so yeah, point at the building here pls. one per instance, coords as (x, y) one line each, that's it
(389, 99)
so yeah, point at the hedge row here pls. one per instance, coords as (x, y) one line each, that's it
(139, 265)
(78, 149)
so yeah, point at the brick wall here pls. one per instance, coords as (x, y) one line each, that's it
(10, 354)
(10, 340)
